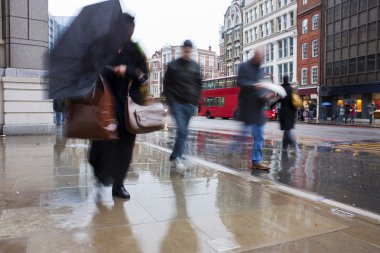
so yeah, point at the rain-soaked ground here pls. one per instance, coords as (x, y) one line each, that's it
(47, 206)
(343, 171)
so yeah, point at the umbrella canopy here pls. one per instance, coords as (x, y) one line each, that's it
(326, 104)
(84, 49)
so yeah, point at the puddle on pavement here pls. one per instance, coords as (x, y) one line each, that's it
(347, 175)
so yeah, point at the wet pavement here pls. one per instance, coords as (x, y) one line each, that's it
(46, 206)
(338, 169)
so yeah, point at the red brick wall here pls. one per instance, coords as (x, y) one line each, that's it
(306, 11)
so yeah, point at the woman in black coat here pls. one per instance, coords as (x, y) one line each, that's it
(288, 116)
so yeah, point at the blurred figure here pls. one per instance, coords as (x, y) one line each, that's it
(58, 106)
(111, 159)
(371, 113)
(287, 116)
(182, 88)
(312, 111)
(252, 104)
(347, 109)
(353, 112)
(341, 114)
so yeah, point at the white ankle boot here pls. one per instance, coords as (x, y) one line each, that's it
(103, 195)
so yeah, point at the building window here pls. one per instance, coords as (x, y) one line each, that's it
(329, 69)
(211, 62)
(285, 69)
(304, 2)
(285, 17)
(203, 60)
(255, 13)
(304, 76)
(291, 19)
(371, 63)
(361, 64)
(315, 22)
(314, 75)
(279, 24)
(304, 26)
(304, 51)
(372, 33)
(262, 31)
(362, 33)
(269, 52)
(352, 66)
(246, 37)
(315, 48)
(285, 47)
(268, 70)
(261, 10)
(279, 3)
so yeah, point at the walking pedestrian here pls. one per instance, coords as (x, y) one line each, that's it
(341, 114)
(312, 110)
(371, 113)
(353, 112)
(111, 159)
(252, 104)
(347, 109)
(182, 88)
(58, 106)
(287, 116)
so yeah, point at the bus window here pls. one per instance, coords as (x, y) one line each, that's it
(229, 83)
(222, 83)
(221, 101)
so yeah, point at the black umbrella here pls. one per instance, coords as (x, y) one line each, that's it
(85, 48)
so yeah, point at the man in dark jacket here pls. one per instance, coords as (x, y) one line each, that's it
(287, 116)
(252, 102)
(182, 88)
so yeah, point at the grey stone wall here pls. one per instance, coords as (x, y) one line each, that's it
(26, 33)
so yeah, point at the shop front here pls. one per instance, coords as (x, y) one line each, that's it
(359, 96)
(309, 96)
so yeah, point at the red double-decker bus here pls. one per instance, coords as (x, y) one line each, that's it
(220, 99)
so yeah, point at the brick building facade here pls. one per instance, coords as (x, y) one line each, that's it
(309, 50)
(206, 58)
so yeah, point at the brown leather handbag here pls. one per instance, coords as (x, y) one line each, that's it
(142, 119)
(92, 117)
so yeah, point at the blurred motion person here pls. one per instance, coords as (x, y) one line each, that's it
(58, 106)
(182, 88)
(252, 105)
(111, 159)
(371, 113)
(312, 110)
(287, 116)
(353, 112)
(347, 109)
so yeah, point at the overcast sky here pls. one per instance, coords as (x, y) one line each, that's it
(161, 22)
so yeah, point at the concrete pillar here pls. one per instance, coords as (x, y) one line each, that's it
(24, 108)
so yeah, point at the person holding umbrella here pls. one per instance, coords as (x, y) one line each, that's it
(98, 43)
(111, 159)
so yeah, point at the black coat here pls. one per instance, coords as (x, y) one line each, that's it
(183, 82)
(134, 58)
(251, 104)
(288, 113)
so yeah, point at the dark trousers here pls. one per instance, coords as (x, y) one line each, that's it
(288, 139)
(111, 160)
(182, 114)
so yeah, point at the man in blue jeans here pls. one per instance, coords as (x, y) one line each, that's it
(252, 102)
(182, 88)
